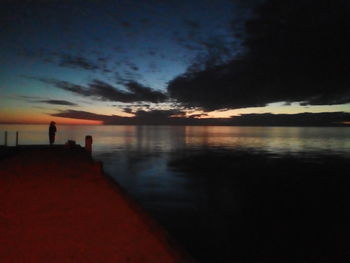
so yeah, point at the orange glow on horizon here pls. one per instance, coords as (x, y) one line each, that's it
(46, 119)
(30, 116)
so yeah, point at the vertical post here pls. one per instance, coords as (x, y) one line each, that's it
(17, 138)
(5, 142)
(88, 143)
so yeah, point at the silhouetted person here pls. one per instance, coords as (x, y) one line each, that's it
(52, 132)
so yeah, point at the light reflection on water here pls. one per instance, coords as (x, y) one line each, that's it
(277, 140)
(139, 157)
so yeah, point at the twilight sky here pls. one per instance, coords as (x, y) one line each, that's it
(108, 61)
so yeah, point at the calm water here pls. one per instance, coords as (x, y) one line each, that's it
(187, 179)
(278, 140)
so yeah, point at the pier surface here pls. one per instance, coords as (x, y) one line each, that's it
(57, 206)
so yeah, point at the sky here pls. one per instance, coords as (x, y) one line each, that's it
(173, 62)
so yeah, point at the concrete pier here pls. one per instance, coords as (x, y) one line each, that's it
(56, 205)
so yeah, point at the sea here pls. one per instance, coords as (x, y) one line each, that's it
(228, 194)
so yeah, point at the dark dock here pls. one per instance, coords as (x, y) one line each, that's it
(56, 205)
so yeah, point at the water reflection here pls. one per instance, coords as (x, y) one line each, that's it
(159, 139)
(278, 140)
(221, 191)
(239, 206)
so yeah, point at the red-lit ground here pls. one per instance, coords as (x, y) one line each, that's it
(55, 206)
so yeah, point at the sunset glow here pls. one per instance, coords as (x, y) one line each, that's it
(114, 61)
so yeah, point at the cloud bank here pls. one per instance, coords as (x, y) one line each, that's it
(105, 92)
(176, 117)
(58, 102)
(294, 51)
(37, 99)
(77, 62)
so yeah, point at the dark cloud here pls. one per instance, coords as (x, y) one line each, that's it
(106, 92)
(140, 117)
(77, 62)
(176, 117)
(157, 114)
(128, 110)
(142, 93)
(301, 119)
(247, 3)
(58, 102)
(65, 85)
(66, 60)
(294, 51)
(214, 48)
(132, 65)
(26, 97)
(95, 61)
(36, 99)
(82, 115)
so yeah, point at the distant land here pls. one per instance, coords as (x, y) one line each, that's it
(168, 117)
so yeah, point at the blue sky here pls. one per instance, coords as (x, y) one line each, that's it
(115, 42)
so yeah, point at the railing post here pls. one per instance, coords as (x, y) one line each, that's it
(88, 143)
(5, 142)
(17, 138)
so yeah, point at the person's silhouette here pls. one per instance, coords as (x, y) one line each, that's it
(52, 132)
